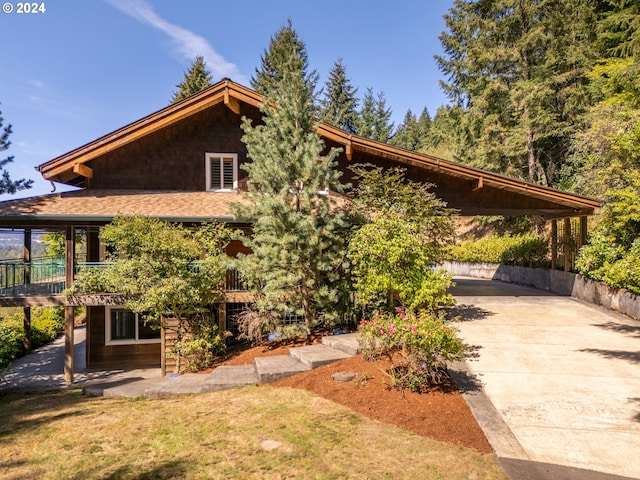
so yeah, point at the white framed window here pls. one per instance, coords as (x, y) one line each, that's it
(123, 327)
(222, 171)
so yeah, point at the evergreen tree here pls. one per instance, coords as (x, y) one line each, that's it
(448, 136)
(275, 62)
(296, 243)
(519, 67)
(6, 184)
(196, 79)
(374, 119)
(413, 132)
(619, 28)
(338, 107)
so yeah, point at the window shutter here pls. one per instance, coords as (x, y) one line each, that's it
(215, 173)
(227, 178)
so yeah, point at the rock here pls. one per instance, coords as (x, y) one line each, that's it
(270, 445)
(344, 376)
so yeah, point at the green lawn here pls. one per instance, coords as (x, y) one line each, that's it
(222, 435)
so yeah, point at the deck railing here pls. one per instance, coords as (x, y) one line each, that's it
(46, 276)
(40, 276)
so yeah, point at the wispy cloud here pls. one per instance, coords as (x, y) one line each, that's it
(36, 83)
(187, 43)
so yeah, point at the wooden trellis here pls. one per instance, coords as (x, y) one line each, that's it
(567, 236)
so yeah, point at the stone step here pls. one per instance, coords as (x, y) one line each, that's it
(314, 356)
(347, 343)
(227, 377)
(276, 367)
(122, 387)
(178, 385)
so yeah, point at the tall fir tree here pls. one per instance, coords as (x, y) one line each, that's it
(296, 242)
(275, 62)
(6, 184)
(519, 67)
(374, 118)
(339, 103)
(196, 79)
(413, 132)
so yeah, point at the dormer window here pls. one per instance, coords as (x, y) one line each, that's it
(222, 172)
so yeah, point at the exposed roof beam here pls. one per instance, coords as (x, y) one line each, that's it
(83, 170)
(231, 102)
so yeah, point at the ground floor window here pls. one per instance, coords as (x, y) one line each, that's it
(124, 327)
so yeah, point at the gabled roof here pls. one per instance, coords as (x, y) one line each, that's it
(541, 200)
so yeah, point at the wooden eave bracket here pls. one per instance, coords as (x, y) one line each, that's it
(478, 183)
(348, 150)
(83, 170)
(231, 102)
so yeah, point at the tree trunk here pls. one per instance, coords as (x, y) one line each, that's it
(531, 158)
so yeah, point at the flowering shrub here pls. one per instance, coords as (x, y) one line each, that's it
(418, 344)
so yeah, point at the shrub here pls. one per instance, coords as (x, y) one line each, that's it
(604, 261)
(417, 344)
(46, 325)
(525, 250)
(11, 340)
(200, 343)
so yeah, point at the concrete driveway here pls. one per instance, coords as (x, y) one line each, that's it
(563, 375)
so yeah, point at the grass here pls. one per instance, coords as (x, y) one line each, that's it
(217, 436)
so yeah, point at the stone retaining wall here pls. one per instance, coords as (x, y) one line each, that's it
(556, 281)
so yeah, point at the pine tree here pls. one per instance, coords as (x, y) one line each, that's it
(196, 79)
(374, 119)
(338, 106)
(296, 244)
(6, 184)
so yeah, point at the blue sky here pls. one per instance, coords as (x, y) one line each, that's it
(84, 68)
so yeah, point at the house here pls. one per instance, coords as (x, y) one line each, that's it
(184, 164)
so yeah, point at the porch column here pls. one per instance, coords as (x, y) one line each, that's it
(26, 255)
(554, 244)
(93, 245)
(70, 253)
(582, 238)
(26, 311)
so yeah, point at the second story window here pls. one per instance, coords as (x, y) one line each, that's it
(221, 171)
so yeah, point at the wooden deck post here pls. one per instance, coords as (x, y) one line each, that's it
(68, 344)
(26, 311)
(26, 255)
(26, 322)
(582, 238)
(70, 253)
(566, 241)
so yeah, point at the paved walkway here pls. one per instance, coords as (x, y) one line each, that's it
(551, 380)
(43, 369)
